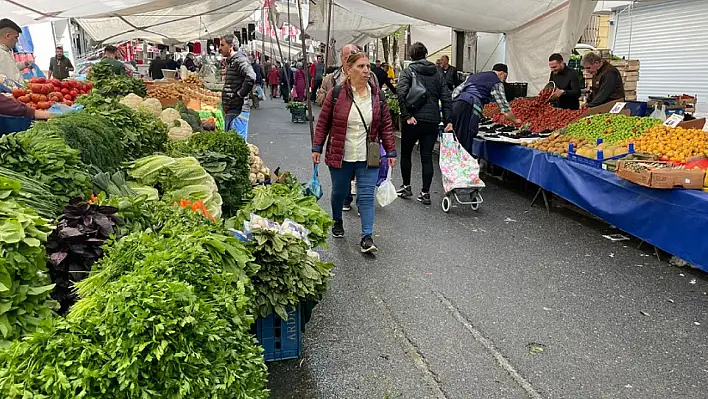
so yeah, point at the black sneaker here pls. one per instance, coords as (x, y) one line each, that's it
(338, 229)
(367, 245)
(405, 192)
(347, 207)
(424, 198)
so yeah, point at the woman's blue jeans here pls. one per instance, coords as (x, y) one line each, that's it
(365, 191)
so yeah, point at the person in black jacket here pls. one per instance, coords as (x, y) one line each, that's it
(449, 72)
(156, 67)
(422, 124)
(238, 84)
(379, 70)
(567, 81)
(286, 81)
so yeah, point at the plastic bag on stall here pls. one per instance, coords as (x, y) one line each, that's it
(314, 187)
(659, 113)
(458, 168)
(61, 109)
(386, 192)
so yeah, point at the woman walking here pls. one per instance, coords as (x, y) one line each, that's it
(421, 124)
(300, 83)
(357, 117)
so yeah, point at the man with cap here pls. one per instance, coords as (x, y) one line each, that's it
(9, 34)
(469, 100)
(60, 66)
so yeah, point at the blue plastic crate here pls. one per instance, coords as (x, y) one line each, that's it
(596, 163)
(12, 124)
(280, 339)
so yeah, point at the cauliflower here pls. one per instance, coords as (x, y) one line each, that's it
(169, 116)
(153, 105)
(252, 178)
(253, 149)
(181, 132)
(132, 101)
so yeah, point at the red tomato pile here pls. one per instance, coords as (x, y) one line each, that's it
(537, 111)
(42, 93)
(490, 109)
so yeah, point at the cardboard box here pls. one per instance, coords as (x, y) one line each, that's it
(662, 178)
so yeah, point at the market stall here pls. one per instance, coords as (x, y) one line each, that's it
(144, 248)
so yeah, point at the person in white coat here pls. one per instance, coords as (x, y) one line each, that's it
(9, 34)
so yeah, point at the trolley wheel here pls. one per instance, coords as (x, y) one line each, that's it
(446, 203)
(476, 200)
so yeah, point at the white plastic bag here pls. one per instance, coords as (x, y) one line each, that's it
(659, 113)
(386, 192)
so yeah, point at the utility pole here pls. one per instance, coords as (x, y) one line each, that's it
(289, 30)
(308, 78)
(329, 31)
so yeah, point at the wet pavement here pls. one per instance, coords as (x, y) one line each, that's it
(506, 302)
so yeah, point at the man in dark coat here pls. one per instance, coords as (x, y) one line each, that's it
(286, 81)
(238, 84)
(607, 85)
(449, 72)
(567, 81)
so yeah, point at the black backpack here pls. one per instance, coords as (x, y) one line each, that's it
(417, 94)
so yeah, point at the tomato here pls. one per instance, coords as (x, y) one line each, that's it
(89, 86)
(55, 96)
(24, 99)
(43, 105)
(74, 93)
(55, 82)
(68, 102)
(64, 91)
(65, 85)
(34, 80)
(69, 97)
(35, 98)
(73, 84)
(48, 88)
(41, 80)
(57, 88)
(32, 105)
(36, 88)
(42, 97)
(17, 93)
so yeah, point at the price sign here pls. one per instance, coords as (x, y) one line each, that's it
(705, 126)
(673, 120)
(619, 106)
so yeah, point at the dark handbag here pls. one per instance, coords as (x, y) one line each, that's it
(417, 94)
(373, 154)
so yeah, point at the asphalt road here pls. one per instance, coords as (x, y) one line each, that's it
(505, 302)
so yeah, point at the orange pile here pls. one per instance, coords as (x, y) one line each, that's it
(675, 144)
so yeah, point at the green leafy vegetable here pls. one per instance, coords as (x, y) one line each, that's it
(277, 202)
(225, 156)
(29, 191)
(46, 157)
(24, 286)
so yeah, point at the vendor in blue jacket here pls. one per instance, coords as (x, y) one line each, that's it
(469, 100)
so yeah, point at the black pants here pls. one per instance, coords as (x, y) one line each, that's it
(426, 133)
(285, 92)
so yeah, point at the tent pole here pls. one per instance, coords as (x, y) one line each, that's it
(280, 50)
(289, 30)
(308, 78)
(263, 25)
(329, 31)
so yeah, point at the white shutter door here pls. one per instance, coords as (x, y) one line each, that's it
(669, 40)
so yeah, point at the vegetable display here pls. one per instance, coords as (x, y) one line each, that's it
(278, 202)
(97, 140)
(29, 191)
(178, 178)
(108, 84)
(259, 172)
(225, 156)
(287, 273)
(75, 245)
(46, 158)
(24, 286)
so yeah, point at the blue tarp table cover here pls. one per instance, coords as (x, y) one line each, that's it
(675, 221)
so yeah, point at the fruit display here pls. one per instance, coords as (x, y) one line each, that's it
(672, 144)
(193, 79)
(539, 113)
(611, 128)
(42, 93)
(556, 144)
(490, 110)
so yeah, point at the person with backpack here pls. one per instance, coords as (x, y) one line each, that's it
(353, 120)
(421, 89)
(469, 100)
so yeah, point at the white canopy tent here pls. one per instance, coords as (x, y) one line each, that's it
(534, 28)
(177, 24)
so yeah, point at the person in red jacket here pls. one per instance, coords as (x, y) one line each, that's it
(356, 117)
(274, 81)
